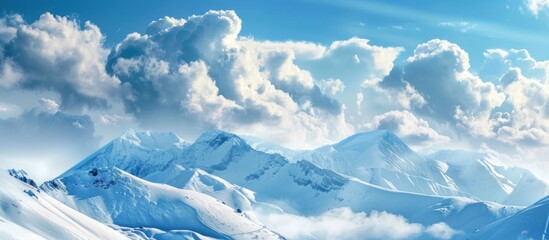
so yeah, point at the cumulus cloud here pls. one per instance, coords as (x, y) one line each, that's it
(522, 120)
(413, 130)
(45, 142)
(440, 73)
(55, 54)
(343, 223)
(441, 231)
(498, 61)
(509, 108)
(353, 61)
(537, 6)
(528, 122)
(381, 98)
(285, 75)
(191, 74)
(199, 72)
(48, 105)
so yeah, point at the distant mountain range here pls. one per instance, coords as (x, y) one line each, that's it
(146, 185)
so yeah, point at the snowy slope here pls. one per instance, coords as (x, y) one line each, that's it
(200, 181)
(482, 175)
(111, 195)
(530, 223)
(27, 213)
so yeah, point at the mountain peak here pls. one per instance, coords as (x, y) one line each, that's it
(212, 134)
(377, 137)
(137, 152)
(159, 140)
(216, 138)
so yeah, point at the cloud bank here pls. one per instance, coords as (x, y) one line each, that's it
(343, 223)
(55, 54)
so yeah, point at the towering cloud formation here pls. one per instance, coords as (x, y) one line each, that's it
(439, 71)
(200, 69)
(55, 54)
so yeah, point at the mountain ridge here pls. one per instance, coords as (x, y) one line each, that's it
(142, 182)
(309, 189)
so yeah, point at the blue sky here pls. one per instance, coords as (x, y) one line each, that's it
(302, 73)
(488, 24)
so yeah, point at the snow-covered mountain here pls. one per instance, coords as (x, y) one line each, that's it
(382, 159)
(223, 166)
(530, 223)
(309, 189)
(483, 176)
(28, 213)
(147, 185)
(111, 195)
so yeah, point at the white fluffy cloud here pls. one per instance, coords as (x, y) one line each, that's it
(413, 130)
(498, 61)
(537, 6)
(343, 223)
(199, 71)
(352, 61)
(510, 108)
(48, 105)
(191, 74)
(55, 54)
(527, 123)
(523, 119)
(378, 99)
(440, 73)
(358, 59)
(441, 231)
